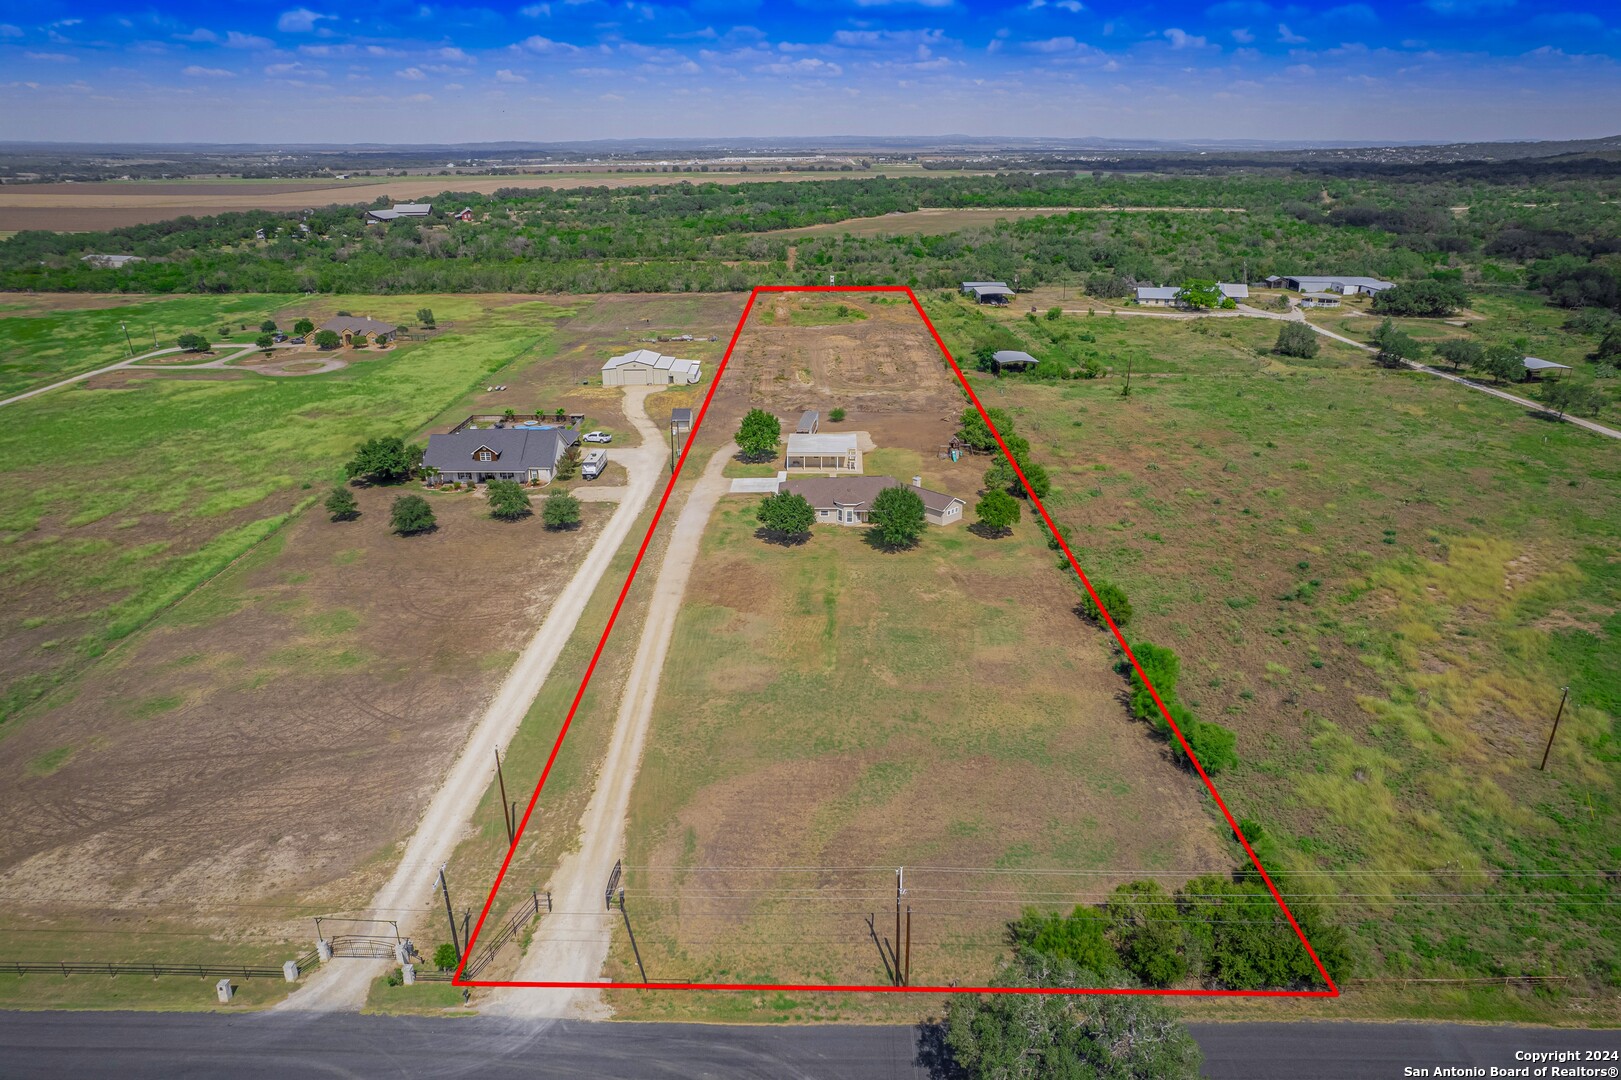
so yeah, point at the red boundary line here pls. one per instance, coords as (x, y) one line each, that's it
(1332, 991)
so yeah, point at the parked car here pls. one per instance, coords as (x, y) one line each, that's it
(298, 341)
(598, 436)
(278, 337)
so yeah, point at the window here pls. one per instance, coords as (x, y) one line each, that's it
(484, 455)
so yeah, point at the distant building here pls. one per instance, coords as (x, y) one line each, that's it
(1320, 299)
(823, 453)
(354, 329)
(988, 292)
(1345, 285)
(399, 210)
(1536, 367)
(1230, 291)
(847, 500)
(476, 456)
(644, 367)
(464, 214)
(110, 262)
(1158, 295)
(1013, 358)
(680, 421)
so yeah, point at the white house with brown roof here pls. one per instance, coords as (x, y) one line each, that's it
(846, 500)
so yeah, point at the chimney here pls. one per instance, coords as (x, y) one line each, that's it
(917, 481)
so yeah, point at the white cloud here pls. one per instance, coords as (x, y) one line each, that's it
(535, 11)
(299, 21)
(1467, 7)
(418, 99)
(809, 65)
(1181, 39)
(545, 46)
(507, 75)
(1243, 36)
(453, 53)
(196, 72)
(234, 40)
(411, 73)
(7, 30)
(594, 72)
(52, 57)
(1300, 69)
(200, 35)
(1288, 36)
(1067, 5)
(293, 68)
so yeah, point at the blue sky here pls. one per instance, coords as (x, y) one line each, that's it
(315, 71)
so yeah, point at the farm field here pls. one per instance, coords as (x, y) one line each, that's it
(1380, 581)
(830, 711)
(939, 221)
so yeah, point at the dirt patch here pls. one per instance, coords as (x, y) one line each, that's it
(209, 758)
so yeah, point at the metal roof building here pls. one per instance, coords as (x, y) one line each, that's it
(1014, 358)
(644, 367)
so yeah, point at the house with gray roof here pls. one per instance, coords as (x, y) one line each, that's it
(1345, 285)
(354, 329)
(475, 456)
(1013, 358)
(400, 210)
(847, 500)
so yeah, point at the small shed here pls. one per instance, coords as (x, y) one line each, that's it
(1013, 358)
(680, 421)
(810, 421)
(1535, 367)
(988, 292)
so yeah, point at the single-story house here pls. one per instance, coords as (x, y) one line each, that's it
(399, 210)
(839, 452)
(846, 500)
(1320, 299)
(110, 262)
(1158, 295)
(644, 367)
(1535, 366)
(1344, 285)
(680, 421)
(353, 328)
(809, 421)
(464, 214)
(988, 292)
(475, 455)
(1013, 358)
(1231, 291)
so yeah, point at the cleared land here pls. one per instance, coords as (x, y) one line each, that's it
(830, 711)
(1379, 580)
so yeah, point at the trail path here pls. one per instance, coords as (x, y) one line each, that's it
(343, 983)
(134, 361)
(571, 943)
(1295, 315)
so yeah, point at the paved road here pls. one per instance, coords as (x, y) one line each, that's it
(444, 823)
(156, 1046)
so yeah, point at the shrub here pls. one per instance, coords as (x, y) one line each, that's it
(1077, 937)
(837, 416)
(998, 511)
(341, 504)
(1297, 339)
(1114, 599)
(386, 460)
(786, 515)
(327, 339)
(508, 500)
(444, 957)
(411, 515)
(1147, 932)
(192, 342)
(560, 511)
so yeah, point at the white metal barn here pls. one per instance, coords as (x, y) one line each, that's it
(644, 367)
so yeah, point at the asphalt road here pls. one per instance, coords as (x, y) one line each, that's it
(170, 1046)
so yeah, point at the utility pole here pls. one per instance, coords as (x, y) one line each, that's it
(450, 915)
(1564, 694)
(128, 344)
(506, 818)
(1127, 391)
(672, 449)
(900, 891)
(906, 978)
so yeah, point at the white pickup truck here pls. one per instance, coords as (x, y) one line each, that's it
(594, 462)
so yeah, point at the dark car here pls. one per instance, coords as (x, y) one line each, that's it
(298, 341)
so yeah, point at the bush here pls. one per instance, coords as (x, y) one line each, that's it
(444, 957)
(508, 501)
(387, 460)
(411, 515)
(998, 511)
(560, 511)
(758, 435)
(341, 504)
(1247, 943)
(1297, 339)
(786, 515)
(1147, 933)
(1077, 937)
(265, 342)
(327, 339)
(837, 416)
(192, 342)
(1114, 599)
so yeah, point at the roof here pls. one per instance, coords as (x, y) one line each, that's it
(857, 492)
(809, 419)
(995, 288)
(982, 284)
(413, 209)
(680, 416)
(1013, 356)
(110, 262)
(1320, 284)
(518, 449)
(355, 324)
(1157, 292)
(822, 443)
(755, 485)
(649, 358)
(1233, 292)
(1536, 363)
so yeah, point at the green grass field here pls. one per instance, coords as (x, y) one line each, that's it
(119, 501)
(1381, 581)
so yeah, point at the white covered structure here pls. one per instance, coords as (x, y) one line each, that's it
(644, 367)
(829, 453)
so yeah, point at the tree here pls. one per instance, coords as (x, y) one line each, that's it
(411, 515)
(444, 957)
(758, 434)
(976, 434)
(786, 516)
(1114, 600)
(1395, 346)
(1025, 1036)
(1501, 361)
(265, 342)
(268, 326)
(303, 327)
(569, 463)
(897, 517)
(508, 502)
(1054, 314)
(1076, 937)
(560, 511)
(997, 511)
(1297, 339)
(837, 416)
(387, 460)
(341, 504)
(425, 317)
(1564, 395)
(1147, 932)
(192, 342)
(327, 339)
(1460, 353)
(1427, 299)
(1199, 294)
